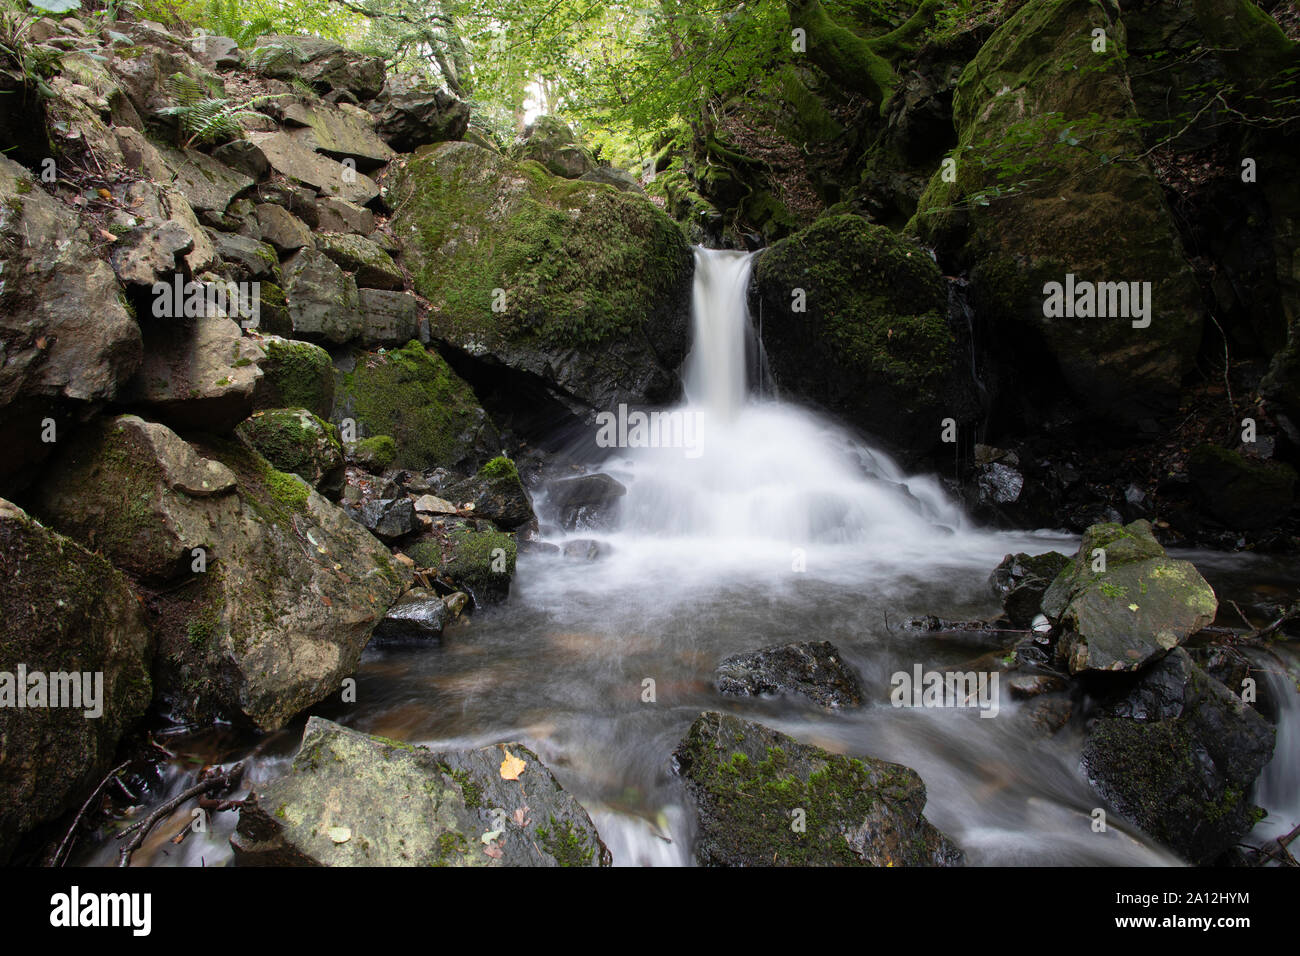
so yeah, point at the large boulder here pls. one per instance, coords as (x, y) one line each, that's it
(67, 340)
(412, 395)
(855, 319)
(549, 142)
(65, 611)
(323, 64)
(410, 113)
(581, 287)
(1141, 605)
(295, 441)
(749, 783)
(295, 375)
(1021, 580)
(322, 299)
(812, 669)
(354, 800)
(1039, 194)
(341, 132)
(1243, 493)
(1177, 756)
(297, 159)
(288, 591)
(585, 502)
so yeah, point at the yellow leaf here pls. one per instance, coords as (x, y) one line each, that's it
(511, 767)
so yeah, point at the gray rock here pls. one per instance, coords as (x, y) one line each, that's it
(589, 501)
(339, 215)
(550, 142)
(354, 800)
(748, 781)
(388, 318)
(409, 114)
(244, 157)
(1177, 756)
(298, 161)
(1021, 580)
(372, 267)
(387, 518)
(620, 179)
(281, 228)
(321, 63)
(342, 132)
(323, 301)
(812, 669)
(249, 258)
(419, 615)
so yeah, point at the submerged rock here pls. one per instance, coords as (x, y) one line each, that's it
(1178, 755)
(1021, 580)
(354, 800)
(65, 611)
(1143, 604)
(589, 501)
(749, 782)
(812, 669)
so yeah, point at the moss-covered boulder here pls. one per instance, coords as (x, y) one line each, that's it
(354, 800)
(371, 266)
(855, 319)
(412, 395)
(66, 611)
(764, 799)
(1122, 602)
(580, 285)
(480, 561)
(1243, 493)
(269, 592)
(1048, 182)
(494, 493)
(549, 142)
(294, 440)
(295, 375)
(1177, 756)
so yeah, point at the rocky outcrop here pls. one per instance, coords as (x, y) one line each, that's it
(66, 611)
(67, 341)
(550, 143)
(579, 286)
(354, 800)
(1177, 756)
(323, 64)
(295, 441)
(409, 114)
(1021, 580)
(1122, 602)
(811, 669)
(749, 782)
(280, 600)
(855, 320)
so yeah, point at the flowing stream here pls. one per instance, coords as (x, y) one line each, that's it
(773, 525)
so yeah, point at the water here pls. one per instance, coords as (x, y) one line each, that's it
(783, 527)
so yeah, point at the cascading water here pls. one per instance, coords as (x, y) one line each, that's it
(774, 526)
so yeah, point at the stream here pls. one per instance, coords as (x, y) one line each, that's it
(778, 526)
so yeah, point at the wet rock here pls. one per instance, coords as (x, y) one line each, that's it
(296, 441)
(386, 518)
(1021, 580)
(409, 114)
(812, 669)
(1026, 686)
(495, 493)
(388, 318)
(322, 64)
(1143, 604)
(354, 800)
(589, 501)
(65, 610)
(289, 589)
(68, 341)
(748, 780)
(1177, 756)
(1243, 493)
(478, 561)
(585, 549)
(419, 615)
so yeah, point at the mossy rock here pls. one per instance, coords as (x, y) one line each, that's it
(752, 784)
(1142, 604)
(412, 395)
(350, 799)
(375, 453)
(577, 283)
(296, 441)
(1243, 493)
(873, 342)
(1040, 192)
(295, 375)
(479, 561)
(65, 610)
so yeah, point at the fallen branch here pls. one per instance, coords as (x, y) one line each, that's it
(60, 855)
(139, 830)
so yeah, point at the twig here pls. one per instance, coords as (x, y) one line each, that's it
(65, 844)
(141, 829)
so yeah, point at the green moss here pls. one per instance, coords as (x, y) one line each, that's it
(499, 467)
(564, 842)
(292, 440)
(472, 793)
(297, 375)
(413, 396)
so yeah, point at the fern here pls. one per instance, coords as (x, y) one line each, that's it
(204, 118)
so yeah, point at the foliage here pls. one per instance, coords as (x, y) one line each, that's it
(205, 118)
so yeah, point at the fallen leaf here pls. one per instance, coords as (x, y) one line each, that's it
(521, 817)
(491, 835)
(104, 193)
(511, 767)
(340, 834)
(493, 851)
